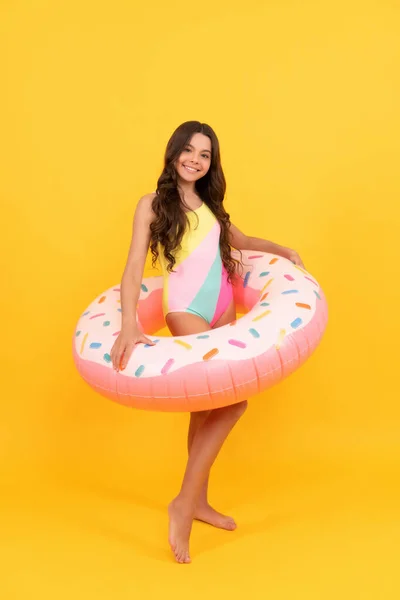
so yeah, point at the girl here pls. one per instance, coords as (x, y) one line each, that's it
(188, 229)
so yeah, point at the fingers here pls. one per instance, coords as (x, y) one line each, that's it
(146, 340)
(126, 356)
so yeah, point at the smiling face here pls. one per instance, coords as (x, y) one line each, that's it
(195, 158)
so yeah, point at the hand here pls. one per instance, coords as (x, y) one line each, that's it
(124, 345)
(295, 258)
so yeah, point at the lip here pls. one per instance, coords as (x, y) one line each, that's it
(188, 169)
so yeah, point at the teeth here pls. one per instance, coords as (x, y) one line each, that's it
(190, 169)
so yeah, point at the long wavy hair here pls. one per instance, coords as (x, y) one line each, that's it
(170, 220)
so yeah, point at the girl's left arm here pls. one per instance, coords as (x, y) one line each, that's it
(240, 241)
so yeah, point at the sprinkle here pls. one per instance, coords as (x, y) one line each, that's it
(86, 313)
(119, 309)
(264, 274)
(264, 314)
(184, 344)
(95, 316)
(149, 345)
(312, 280)
(300, 305)
(95, 345)
(78, 333)
(116, 289)
(139, 371)
(116, 333)
(300, 269)
(210, 354)
(267, 284)
(144, 288)
(263, 297)
(295, 324)
(256, 256)
(280, 339)
(264, 304)
(289, 277)
(273, 261)
(107, 358)
(290, 292)
(246, 279)
(167, 366)
(318, 296)
(119, 300)
(102, 299)
(84, 341)
(106, 323)
(202, 337)
(254, 333)
(237, 343)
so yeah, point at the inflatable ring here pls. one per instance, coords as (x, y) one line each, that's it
(286, 315)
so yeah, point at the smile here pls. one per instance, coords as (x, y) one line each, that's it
(191, 169)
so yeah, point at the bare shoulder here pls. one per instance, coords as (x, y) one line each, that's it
(144, 206)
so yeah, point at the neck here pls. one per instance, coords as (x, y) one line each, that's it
(187, 189)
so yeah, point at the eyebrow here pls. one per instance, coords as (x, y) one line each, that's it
(205, 149)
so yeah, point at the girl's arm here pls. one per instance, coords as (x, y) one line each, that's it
(240, 241)
(130, 284)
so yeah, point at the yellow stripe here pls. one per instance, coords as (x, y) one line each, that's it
(266, 285)
(280, 339)
(84, 341)
(184, 344)
(264, 314)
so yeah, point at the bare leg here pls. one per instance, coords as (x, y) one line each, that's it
(205, 448)
(205, 512)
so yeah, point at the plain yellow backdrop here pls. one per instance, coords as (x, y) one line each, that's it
(304, 97)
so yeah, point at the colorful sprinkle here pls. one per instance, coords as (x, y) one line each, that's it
(98, 315)
(167, 366)
(86, 313)
(237, 343)
(102, 299)
(106, 323)
(266, 285)
(116, 289)
(95, 345)
(256, 256)
(316, 293)
(210, 354)
(78, 333)
(264, 314)
(264, 296)
(280, 339)
(116, 333)
(139, 371)
(296, 323)
(149, 345)
(119, 300)
(300, 305)
(264, 304)
(264, 274)
(246, 279)
(144, 288)
(273, 261)
(119, 309)
(84, 342)
(202, 337)
(107, 358)
(254, 333)
(290, 292)
(184, 344)
(300, 269)
(312, 280)
(289, 277)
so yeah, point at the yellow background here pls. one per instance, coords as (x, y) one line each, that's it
(304, 96)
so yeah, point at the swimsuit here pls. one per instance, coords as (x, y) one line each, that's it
(199, 283)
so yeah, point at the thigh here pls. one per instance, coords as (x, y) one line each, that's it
(182, 323)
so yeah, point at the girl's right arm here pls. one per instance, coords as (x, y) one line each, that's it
(130, 285)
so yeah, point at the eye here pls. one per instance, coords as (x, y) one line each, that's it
(205, 156)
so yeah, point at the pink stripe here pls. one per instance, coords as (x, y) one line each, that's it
(99, 315)
(193, 269)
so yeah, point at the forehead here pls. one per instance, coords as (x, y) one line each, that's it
(201, 141)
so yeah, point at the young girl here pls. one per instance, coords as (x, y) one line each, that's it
(188, 229)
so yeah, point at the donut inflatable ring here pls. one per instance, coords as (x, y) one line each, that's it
(285, 318)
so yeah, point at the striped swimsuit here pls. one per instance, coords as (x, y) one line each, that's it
(199, 282)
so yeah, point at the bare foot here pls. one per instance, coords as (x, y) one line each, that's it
(180, 526)
(209, 515)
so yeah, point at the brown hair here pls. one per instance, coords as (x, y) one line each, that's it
(170, 220)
